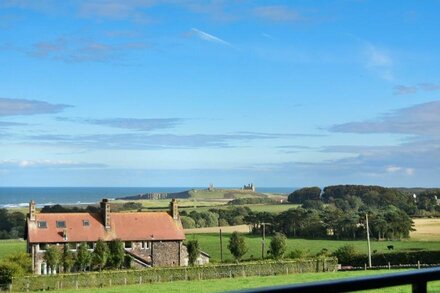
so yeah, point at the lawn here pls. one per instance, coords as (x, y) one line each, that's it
(210, 243)
(221, 285)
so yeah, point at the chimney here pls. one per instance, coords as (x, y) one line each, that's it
(174, 209)
(105, 211)
(32, 211)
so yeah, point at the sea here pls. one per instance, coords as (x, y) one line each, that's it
(21, 196)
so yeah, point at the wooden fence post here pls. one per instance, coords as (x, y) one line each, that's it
(389, 265)
(418, 264)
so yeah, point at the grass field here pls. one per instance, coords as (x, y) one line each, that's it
(8, 247)
(426, 230)
(210, 243)
(221, 285)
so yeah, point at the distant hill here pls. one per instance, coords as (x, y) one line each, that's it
(216, 193)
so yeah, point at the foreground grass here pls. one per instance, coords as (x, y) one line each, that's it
(210, 243)
(221, 285)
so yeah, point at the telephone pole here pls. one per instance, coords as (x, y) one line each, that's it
(263, 241)
(368, 240)
(221, 246)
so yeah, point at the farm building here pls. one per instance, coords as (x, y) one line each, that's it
(150, 238)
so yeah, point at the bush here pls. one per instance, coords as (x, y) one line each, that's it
(299, 254)
(193, 251)
(396, 258)
(278, 246)
(345, 254)
(8, 271)
(187, 222)
(237, 246)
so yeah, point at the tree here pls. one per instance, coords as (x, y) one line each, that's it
(303, 194)
(100, 254)
(193, 251)
(187, 222)
(117, 253)
(9, 270)
(67, 259)
(237, 246)
(83, 257)
(52, 257)
(278, 246)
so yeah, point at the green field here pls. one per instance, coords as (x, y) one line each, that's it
(210, 243)
(8, 247)
(220, 285)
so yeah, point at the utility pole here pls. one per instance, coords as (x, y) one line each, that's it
(368, 240)
(263, 241)
(221, 246)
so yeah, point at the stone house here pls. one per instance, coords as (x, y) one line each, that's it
(151, 238)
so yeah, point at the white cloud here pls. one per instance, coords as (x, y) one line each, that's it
(8, 164)
(208, 37)
(379, 61)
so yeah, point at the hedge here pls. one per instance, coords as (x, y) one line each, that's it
(127, 277)
(396, 258)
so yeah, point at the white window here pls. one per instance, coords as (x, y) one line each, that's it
(145, 245)
(86, 223)
(42, 224)
(61, 224)
(127, 244)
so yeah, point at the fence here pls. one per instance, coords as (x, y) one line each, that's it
(152, 275)
(418, 280)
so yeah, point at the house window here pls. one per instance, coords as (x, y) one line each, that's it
(86, 223)
(42, 224)
(61, 224)
(90, 245)
(145, 245)
(43, 246)
(72, 245)
(127, 244)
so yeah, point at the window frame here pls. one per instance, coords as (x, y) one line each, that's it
(60, 224)
(42, 224)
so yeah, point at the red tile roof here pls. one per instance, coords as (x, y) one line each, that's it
(124, 226)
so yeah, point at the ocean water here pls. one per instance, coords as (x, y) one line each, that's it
(21, 196)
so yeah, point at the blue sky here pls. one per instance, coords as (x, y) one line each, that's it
(187, 93)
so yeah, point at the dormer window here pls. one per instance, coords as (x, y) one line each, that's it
(42, 224)
(61, 224)
(86, 223)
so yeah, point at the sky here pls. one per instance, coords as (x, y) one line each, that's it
(188, 93)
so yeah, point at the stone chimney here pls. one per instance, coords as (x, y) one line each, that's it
(174, 209)
(105, 211)
(32, 211)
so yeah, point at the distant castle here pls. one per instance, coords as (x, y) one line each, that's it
(250, 186)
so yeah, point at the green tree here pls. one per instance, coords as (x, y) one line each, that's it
(345, 254)
(303, 194)
(22, 259)
(100, 254)
(187, 222)
(52, 257)
(117, 253)
(278, 246)
(237, 246)
(67, 259)
(9, 270)
(193, 251)
(83, 257)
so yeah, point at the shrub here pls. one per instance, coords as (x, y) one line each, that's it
(278, 246)
(237, 246)
(193, 251)
(345, 254)
(187, 222)
(299, 254)
(9, 270)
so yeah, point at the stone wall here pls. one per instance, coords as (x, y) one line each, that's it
(166, 253)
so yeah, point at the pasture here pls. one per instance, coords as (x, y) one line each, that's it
(210, 243)
(8, 247)
(426, 230)
(221, 285)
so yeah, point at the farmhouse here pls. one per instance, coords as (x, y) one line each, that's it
(150, 238)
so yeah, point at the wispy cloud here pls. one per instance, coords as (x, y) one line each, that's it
(80, 50)
(412, 89)
(14, 107)
(116, 10)
(131, 123)
(5, 124)
(61, 164)
(208, 37)
(421, 119)
(379, 61)
(277, 13)
(141, 141)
